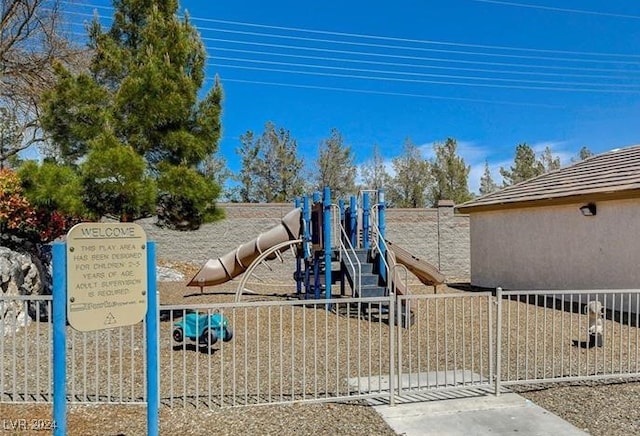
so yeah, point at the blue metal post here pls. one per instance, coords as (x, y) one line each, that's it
(59, 338)
(298, 259)
(306, 245)
(316, 197)
(326, 224)
(365, 220)
(316, 275)
(381, 228)
(353, 215)
(153, 379)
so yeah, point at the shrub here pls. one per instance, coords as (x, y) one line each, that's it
(22, 223)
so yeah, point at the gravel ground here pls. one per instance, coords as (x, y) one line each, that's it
(599, 408)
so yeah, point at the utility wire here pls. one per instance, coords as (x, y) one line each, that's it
(389, 38)
(563, 86)
(431, 82)
(395, 64)
(556, 9)
(400, 94)
(412, 74)
(414, 58)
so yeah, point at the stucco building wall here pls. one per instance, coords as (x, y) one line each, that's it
(557, 247)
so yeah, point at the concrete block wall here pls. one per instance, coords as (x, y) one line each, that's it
(436, 235)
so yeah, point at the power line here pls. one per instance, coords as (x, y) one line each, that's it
(431, 82)
(512, 82)
(556, 9)
(414, 58)
(396, 39)
(412, 74)
(498, 79)
(395, 64)
(407, 57)
(419, 49)
(400, 94)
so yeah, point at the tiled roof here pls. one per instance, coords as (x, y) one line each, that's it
(614, 174)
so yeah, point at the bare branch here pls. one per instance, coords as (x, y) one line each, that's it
(30, 45)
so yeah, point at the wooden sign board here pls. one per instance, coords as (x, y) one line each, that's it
(106, 275)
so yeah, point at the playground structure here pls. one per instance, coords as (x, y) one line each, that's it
(334, 243)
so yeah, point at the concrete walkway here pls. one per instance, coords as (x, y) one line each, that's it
(467, 411)
(506, 414)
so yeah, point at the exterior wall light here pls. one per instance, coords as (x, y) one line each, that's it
(588, 209)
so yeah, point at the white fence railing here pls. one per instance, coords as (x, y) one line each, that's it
(550, 336)
(106, 366)
(331, 350)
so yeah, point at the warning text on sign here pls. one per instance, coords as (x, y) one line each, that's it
(106, 275)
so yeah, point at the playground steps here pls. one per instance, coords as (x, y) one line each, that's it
(373, 286)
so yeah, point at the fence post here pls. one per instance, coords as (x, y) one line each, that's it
(153, 351)
(59, 309)
(498, 358)
(392, 348)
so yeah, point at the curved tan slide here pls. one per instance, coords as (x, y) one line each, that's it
(235, 262)
(423, 270)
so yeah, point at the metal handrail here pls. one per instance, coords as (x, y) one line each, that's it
(358, 285)
(377, 247)
(375, 231)
(335, 216)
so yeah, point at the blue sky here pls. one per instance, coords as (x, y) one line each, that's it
(490, 73)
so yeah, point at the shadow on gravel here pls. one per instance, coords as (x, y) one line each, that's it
(202, 349)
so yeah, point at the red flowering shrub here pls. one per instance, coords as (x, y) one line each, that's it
(15, 212)
(19, 218)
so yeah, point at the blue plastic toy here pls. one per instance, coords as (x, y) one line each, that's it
(206, 329)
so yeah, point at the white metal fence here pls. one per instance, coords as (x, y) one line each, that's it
(281, 351)
(545, 336)
(104, 366)
(337, 350)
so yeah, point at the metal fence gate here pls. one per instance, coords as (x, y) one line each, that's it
(285, 351)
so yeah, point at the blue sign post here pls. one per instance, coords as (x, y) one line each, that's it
(60, 340)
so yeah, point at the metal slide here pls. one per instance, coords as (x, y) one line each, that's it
(235, 262)
(423, 270)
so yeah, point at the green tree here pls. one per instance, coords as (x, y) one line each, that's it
(271, 168)
(134, 118)
(525, 166)
(487, 185)
(583, 154)
(248, 151)
(450, 174)
(409, 185)
(52, 186)
(548, 161)
(336, 168)
(373, 172)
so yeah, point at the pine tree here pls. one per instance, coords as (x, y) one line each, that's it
(525, 166)
(548, 161)
(373, 172)
(271, 168)
(487, 185)
(336, 168)
(450, 174)
(133, 122)
(583, 154)
(409, 185)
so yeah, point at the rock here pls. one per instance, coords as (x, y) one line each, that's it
(20, 274)
(164, 274)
